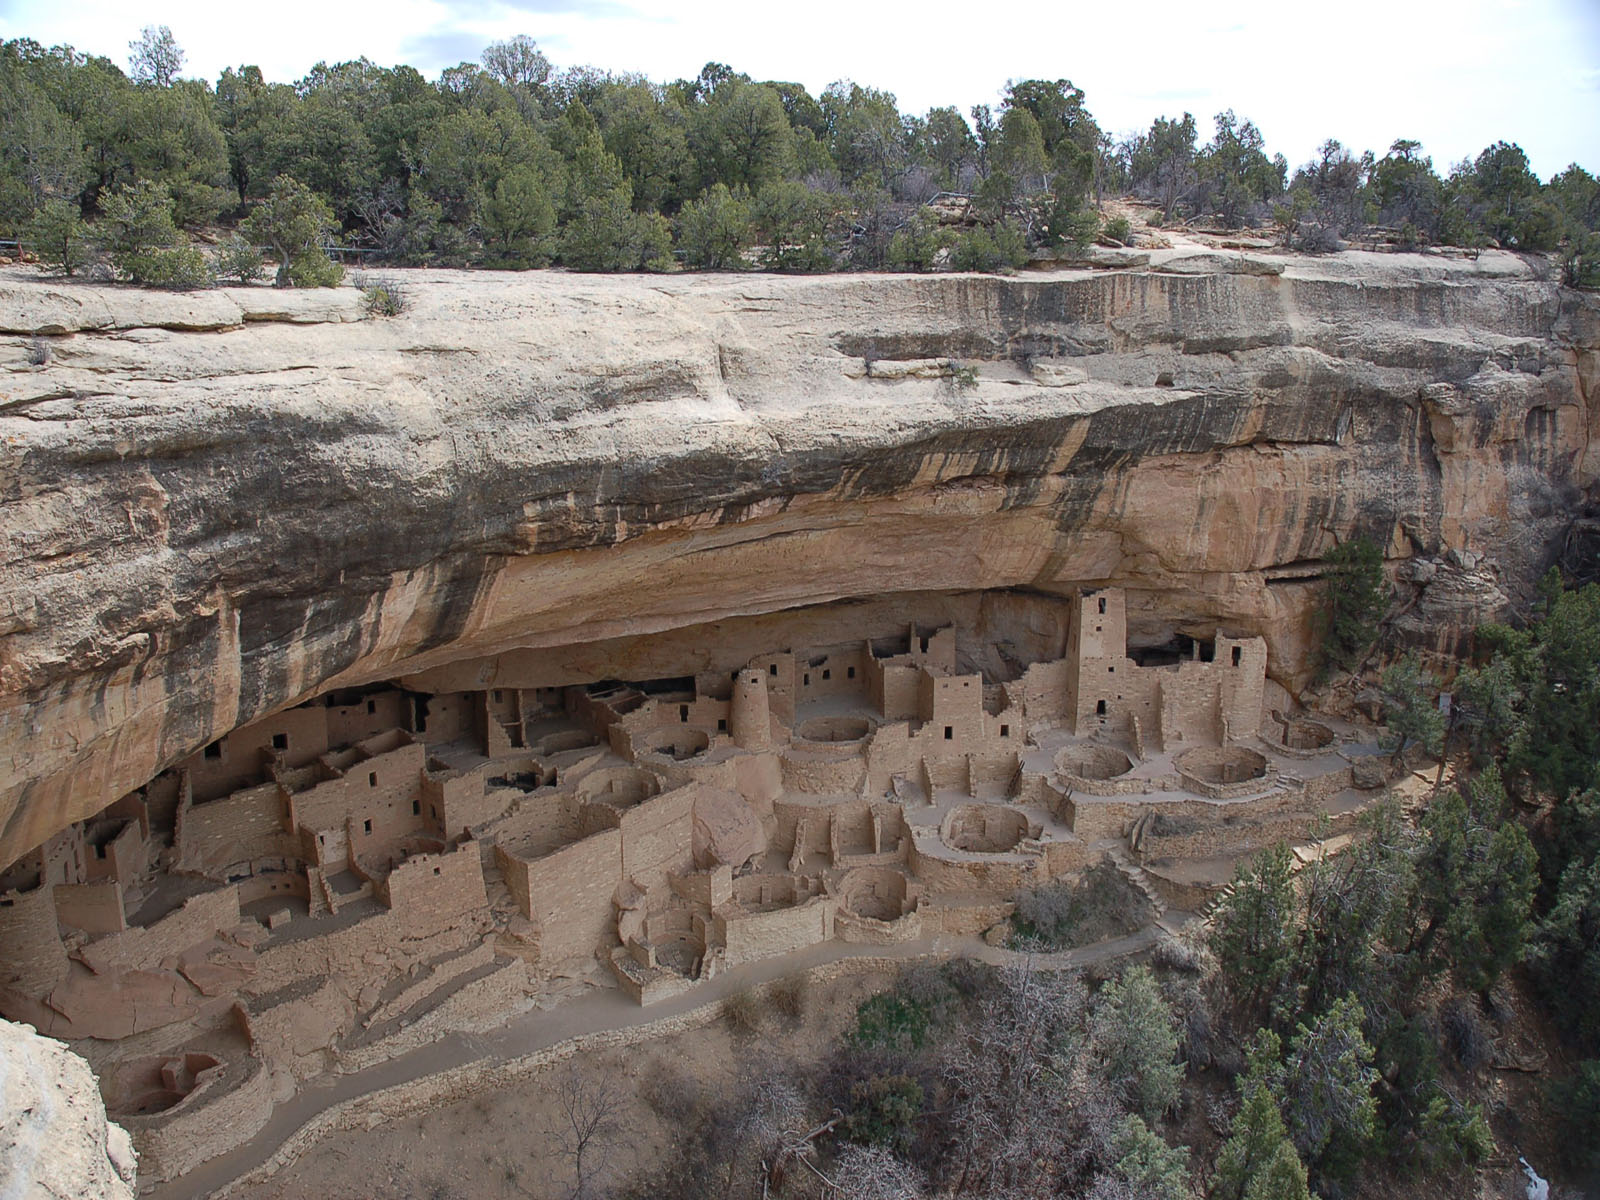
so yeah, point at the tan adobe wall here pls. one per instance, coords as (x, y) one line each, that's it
(832, 671)
(867, 931)
(239, 828)
(63, 859)
(568, 894)
(893, 689)
(351, 723)
(201, 918)
(268, 884)
(888, 755)
(658, 836)
(1042, 691)
(451, 715)
(995, 875)
(242, 756)
(428, 892)
(34, 960)
(211, 1120)
(821, 771)
(752, 935)
(91, 907)
(1128, 691)
(124, 857)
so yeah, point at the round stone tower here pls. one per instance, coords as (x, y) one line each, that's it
(750, 718)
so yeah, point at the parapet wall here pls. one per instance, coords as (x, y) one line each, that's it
(143, 949)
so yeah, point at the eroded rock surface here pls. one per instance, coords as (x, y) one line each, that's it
(217, 506)
(55, 1141)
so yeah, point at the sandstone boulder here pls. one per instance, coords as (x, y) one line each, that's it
(55, 1141)
(727, 831)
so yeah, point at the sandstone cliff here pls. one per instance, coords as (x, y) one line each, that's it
(221, 504)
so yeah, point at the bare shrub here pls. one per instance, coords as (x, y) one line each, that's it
(874, 1173)
(37, 352)
(588, 1118)
(788, 996)
(743, 1011)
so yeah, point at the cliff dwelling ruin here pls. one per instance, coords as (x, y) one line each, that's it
(319, 889)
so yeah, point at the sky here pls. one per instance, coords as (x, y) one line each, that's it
(1455, 75)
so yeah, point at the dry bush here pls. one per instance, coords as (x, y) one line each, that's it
(788, 996)
(743, 1011)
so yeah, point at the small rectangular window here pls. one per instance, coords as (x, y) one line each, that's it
(416, 808)
(436, 870)
(1111, 670)
(366, 827)
(1100, 708)
(1005, 731)
(372, 779)
(280, 741)
(497, 695)
(806, 682)
(772, 669)
(1237, 655)
(722, 724)
(214, 750)
(683, 712)
(1102, 604)
(826, 673)
(372, 706)
(850, 673)
(949, 732)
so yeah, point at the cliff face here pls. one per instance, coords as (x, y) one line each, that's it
(219, 505)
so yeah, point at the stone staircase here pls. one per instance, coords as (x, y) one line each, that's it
(1136, 876)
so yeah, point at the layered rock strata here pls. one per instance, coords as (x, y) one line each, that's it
(218, 506)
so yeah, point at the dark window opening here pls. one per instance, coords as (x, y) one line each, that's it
(1005, 731)
(436, 870)
(1237, 655)
(1102, 604)
(366, 827)
(372, 706)
(1100, 708)
(722, 724)
(280, 741)
(214, 750)
(827, 673)
(416, 808)
(924, 645)
(949, 732)
(683, 712)
(419, 713)
(372, 779)
(806, 681)
(497, 696)
(772, 669)
(850, 673)
(1111, 670)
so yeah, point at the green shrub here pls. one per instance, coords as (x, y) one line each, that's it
(890, 1022)
(59, 236)
(1118, 229)
(238, 260)
(883, 1111)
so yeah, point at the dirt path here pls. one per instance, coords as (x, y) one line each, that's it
(595, 1012)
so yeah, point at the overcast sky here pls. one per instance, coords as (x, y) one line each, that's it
(1454, 74)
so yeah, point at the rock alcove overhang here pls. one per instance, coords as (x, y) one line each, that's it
(221, 505)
